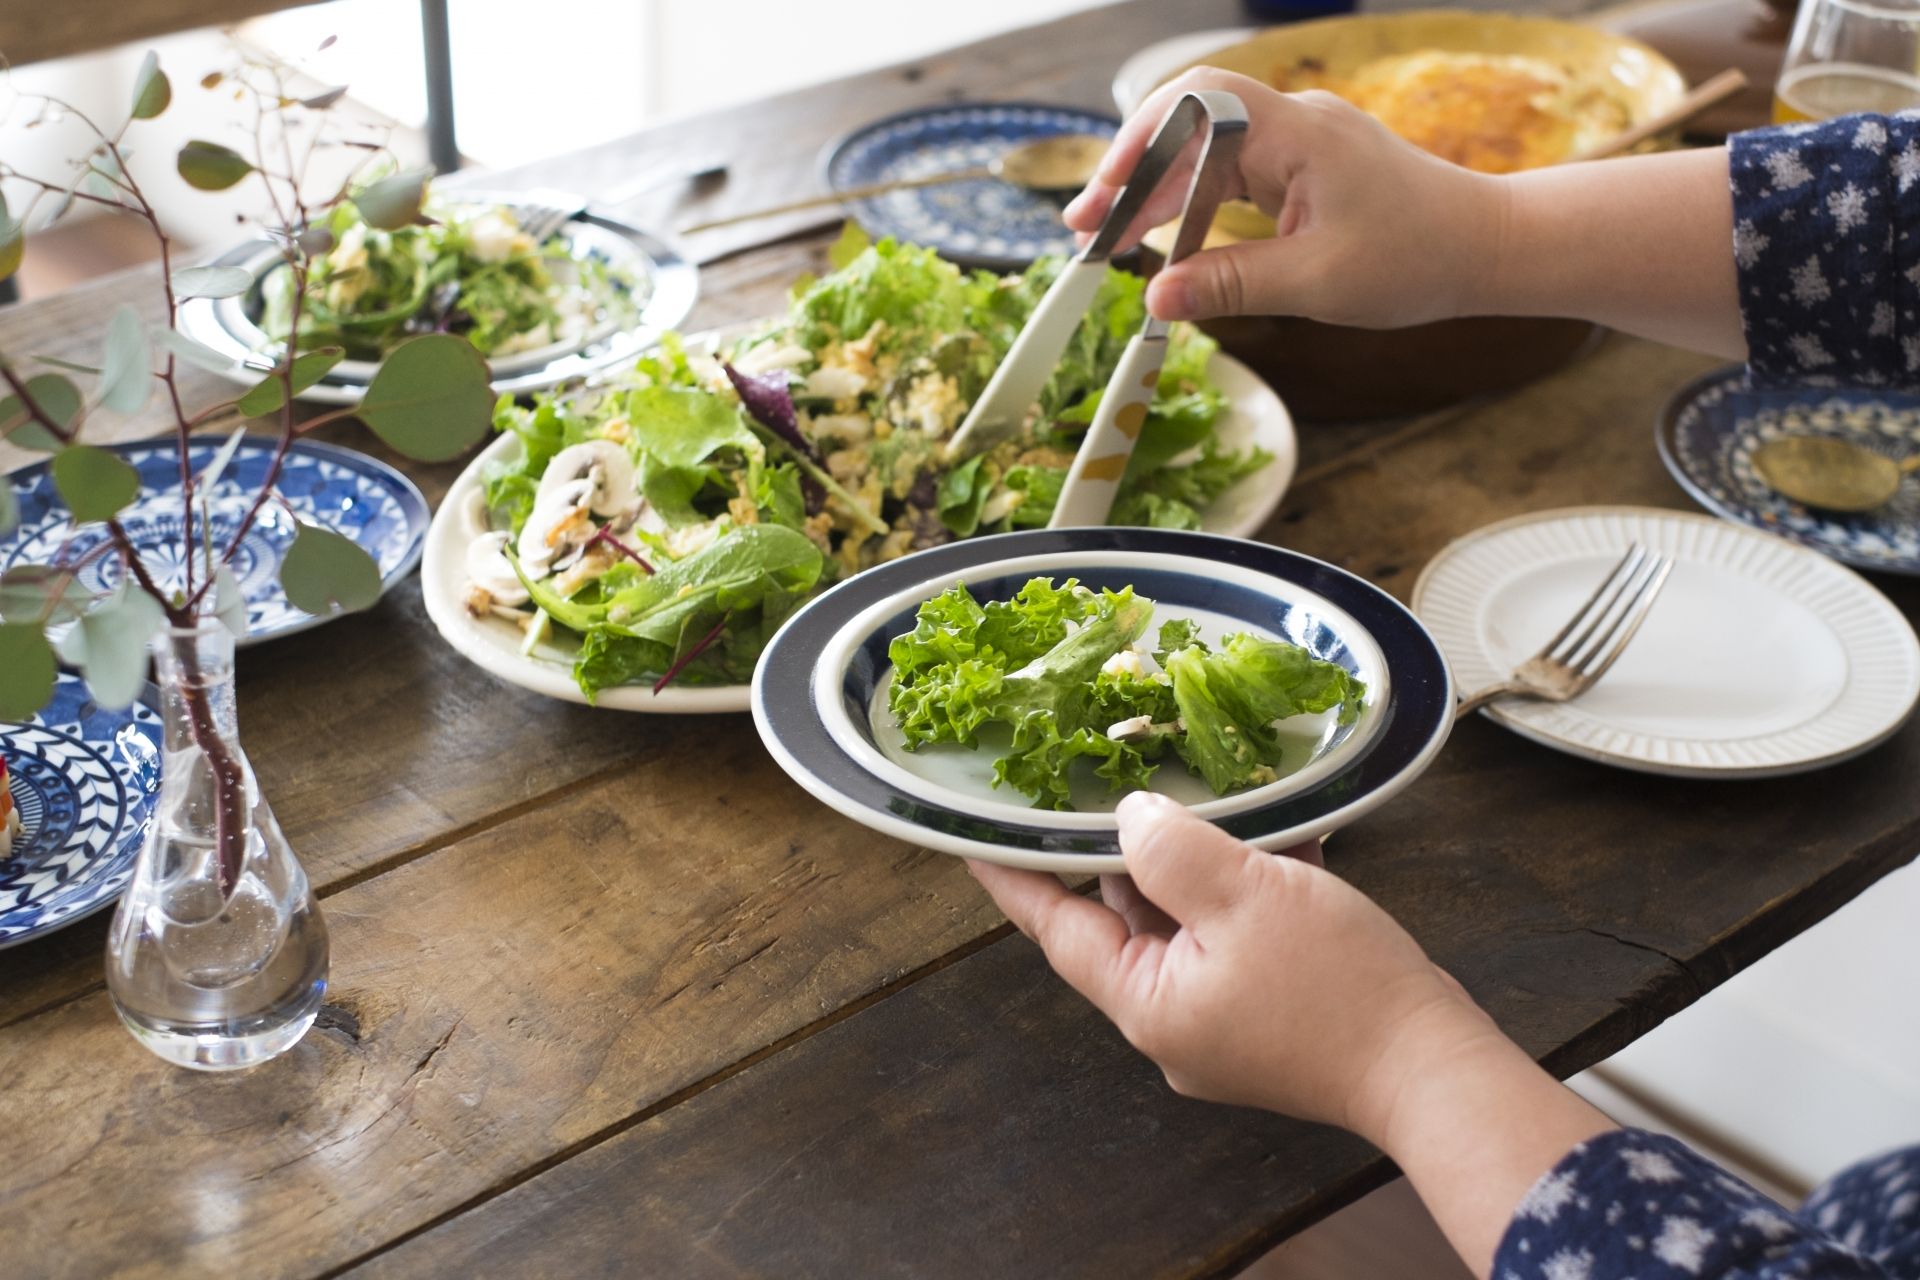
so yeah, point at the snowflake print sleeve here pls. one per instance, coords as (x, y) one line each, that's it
(1826, 240)
(1632, 1203)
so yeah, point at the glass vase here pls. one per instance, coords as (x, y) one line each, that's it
(217, 959)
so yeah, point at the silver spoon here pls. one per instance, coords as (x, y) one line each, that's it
(1834, 475)
(1063, 162)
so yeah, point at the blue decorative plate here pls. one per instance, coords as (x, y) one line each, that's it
(819, 693)
(1710, 428)
(323, 484)
(85, 782)
(988, 222)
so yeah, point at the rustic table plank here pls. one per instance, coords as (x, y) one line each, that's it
(988, 1114)
(493, 1004)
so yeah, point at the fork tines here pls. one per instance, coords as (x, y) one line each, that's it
(1610, 617)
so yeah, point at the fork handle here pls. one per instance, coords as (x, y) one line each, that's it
(1474, 701)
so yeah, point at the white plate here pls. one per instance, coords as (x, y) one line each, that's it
(1760, 658)
(1141, 74)
(819, 694)
(665, 285)
(1255, 416)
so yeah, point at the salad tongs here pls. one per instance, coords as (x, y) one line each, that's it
(1094, 478)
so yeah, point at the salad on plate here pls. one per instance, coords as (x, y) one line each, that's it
(1060, 673)
(665, 522)
(466, 269)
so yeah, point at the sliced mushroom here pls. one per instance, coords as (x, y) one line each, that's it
(487, 569)
(540, 537)
(606, 464)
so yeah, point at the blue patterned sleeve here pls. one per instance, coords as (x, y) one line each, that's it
(1632, 1203)
(1828, 262)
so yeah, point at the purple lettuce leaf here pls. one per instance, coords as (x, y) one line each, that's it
(769, 403)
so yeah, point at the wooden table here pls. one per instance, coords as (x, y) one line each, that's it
(611, 996)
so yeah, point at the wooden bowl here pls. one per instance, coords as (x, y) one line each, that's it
(1334, 373)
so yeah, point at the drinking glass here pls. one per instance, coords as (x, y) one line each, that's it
(1848, 56)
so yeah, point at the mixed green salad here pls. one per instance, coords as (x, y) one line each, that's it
(1064, 669)
(466, 269)
(672, 517)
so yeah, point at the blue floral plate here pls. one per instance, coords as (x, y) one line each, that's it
(987, 223)
(1711, 427)
(85, 782)
(819, 694)
(324, 484)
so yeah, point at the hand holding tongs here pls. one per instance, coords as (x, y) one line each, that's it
(1094, 478)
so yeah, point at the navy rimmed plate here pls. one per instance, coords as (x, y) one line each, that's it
(986, 222)
(820, 689)
(1709, 430)
(338, 489)
(85, 782)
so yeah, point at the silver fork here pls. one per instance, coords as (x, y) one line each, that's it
(1593, 639)
(545, 212)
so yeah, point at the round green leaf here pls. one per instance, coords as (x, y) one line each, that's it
(314, 241)
(13, 241)
(325, 573)
(394, 202)
(94, 484)
(117, 633)
(41, 593)
(151, 90)
(26, 670)
(271, 392)
(431, 399)
(210, 166)
(57, 397)
(126, 371)
(9, 507)
(13, 250)
(62, 201)
(210, 282)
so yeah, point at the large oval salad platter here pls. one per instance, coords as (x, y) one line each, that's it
(569, 559)
(595, 295)
(1253, 626)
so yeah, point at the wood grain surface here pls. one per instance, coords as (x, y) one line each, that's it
(611, 996)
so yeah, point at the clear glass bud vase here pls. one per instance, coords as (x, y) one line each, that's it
(217, 959)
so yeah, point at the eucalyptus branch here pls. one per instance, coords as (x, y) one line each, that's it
(33, 410)
(8, 171)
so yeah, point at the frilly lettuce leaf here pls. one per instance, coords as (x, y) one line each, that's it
(1229, 699)
(1038, 664)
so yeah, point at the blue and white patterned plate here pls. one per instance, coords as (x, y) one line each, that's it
(335, 488)
(988, 222)
(819, 693)
(85, 782)
(1711, 427)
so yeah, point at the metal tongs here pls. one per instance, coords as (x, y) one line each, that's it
(1094, 479)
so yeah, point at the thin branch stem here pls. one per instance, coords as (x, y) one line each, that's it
(32, 406)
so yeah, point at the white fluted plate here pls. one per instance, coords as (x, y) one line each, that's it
(1761, 658)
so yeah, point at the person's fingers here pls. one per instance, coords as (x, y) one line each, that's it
(1090, 208)
(1120, 893)
(1190, 869)
(1083, 940)
(1085, 211)
(1255, 277)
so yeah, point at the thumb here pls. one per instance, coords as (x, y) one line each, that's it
(1190, 869)
(1255, 277)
